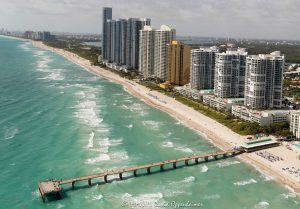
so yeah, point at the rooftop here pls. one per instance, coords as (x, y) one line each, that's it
(235, 51)
(258, 143)
(262, 112)
(271, 56)
(207, 49)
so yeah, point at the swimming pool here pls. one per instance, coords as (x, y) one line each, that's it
(297, 145)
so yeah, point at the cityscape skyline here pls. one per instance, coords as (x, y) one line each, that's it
(235, 19)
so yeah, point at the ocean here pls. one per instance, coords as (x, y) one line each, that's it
(59, 121)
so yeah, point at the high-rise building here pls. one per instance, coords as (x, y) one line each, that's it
(264, 81)
(230, 73)
(121, 45)
(146, 52)
(202, 74)
(163, 36)
(110, 41)
(178, 63)
(106, 15)
(134, 25)
(295, 123)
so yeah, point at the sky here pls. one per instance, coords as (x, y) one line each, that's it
(267, 19)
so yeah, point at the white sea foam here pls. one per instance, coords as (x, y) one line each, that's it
(120, 155)
(127, 100)
(100, 158)
(35, 194)
(130, 126)
(126, 107)
(116, 142)
(88, 115)
(175, 188)
(227, 163)
(80, 94)
(59, 205)
(104, 142)
(246, 182)
(136, 107)
(168, 144)
(152, 124)
(103, 130)
(172, 193)
(39, 53)
(25, 46)
(288, 195)
(91, 140)
(189, 179)
(184, 149)
(54, 76)
(261, 205)
(267, 177)
(42, 64)
(204, 169)
(10, 132)
(97, 197)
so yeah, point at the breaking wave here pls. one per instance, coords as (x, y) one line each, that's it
(246, 182)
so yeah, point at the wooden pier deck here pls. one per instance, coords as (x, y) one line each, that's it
(53, 186)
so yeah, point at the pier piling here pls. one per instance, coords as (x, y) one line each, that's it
(174, 165)
(186, 162)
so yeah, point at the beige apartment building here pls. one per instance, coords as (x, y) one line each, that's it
(178, 63)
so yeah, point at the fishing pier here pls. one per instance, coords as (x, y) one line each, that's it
(52, 187)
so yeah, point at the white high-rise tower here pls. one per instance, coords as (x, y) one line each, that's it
(264, 81)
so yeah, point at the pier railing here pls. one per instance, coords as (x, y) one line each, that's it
(53, 186)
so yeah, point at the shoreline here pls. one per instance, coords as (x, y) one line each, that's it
(219, 135)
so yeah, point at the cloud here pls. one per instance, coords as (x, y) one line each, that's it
(232, 18)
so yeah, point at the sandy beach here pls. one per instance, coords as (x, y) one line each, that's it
(279, 163)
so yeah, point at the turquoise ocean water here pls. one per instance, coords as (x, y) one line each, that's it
(59, 121)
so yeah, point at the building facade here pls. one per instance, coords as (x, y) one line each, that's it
(163, 36)
(146, 52)
(230, 73)
(39, 35)
(106, 15)
(221, 104)
(202, 74)
(134, 25)
(178, 63)
(263, 118)
(153, 51)
(295, 123)
(121, 41)
(264, 81)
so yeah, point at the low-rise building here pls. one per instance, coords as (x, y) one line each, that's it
(222, 104)
(254, 145)
(263, 118)
(193, 93)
